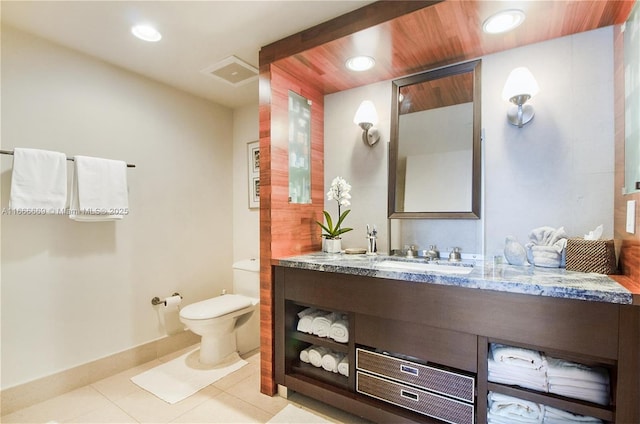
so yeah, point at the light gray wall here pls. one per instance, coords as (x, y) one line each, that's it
(75, 292)
(556, 171)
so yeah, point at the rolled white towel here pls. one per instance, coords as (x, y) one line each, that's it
(305, 321)
(503, 408)
(305, 312)
(339, 330)
(516, 356)
(315, 355)
(330, 361)
(322, 324)
(343, 366)
(304, 355)
(558, 416)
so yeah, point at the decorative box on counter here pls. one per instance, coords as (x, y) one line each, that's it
(591, 256)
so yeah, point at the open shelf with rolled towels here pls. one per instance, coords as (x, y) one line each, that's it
(318, 338)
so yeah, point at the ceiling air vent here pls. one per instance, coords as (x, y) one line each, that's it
(233, 71)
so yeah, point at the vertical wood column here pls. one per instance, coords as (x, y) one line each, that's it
(285, 229)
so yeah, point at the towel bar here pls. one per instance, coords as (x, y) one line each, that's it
(9, 152)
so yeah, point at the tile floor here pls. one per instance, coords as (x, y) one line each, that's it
(235, 398)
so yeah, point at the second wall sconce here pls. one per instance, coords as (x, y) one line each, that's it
(519, 88)
(366, 117)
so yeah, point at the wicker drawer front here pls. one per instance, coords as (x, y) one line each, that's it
(433, 379)
(431, 404)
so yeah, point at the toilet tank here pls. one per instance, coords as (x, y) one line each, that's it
(246, 278)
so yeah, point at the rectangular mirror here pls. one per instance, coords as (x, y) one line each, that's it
(632, 102)
(434, 156)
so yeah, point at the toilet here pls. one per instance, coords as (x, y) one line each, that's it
(217, 319)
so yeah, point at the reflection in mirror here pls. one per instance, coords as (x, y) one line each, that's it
(434, 168)
(632, 102)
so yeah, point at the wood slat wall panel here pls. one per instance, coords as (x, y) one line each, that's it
(438, 35)
(285, 229)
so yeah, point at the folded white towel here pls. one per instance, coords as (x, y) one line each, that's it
(343, 366)
(322, 324)
(38, 181)
(99, 190)
(516, 356)
(339, 330)
(583, 384)
(598, 396)
(510, 410)
(572, 370)
(304, 355)
(518, 376)
(558, 416)
(330, 361)
(315, 355)
(305, 323)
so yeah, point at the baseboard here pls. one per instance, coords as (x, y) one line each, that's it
(27, 394)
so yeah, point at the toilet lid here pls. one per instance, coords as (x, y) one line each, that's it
(215, 307)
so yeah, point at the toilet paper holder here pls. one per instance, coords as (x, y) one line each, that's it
(156, 300)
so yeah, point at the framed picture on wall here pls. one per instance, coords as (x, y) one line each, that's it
(253, 166)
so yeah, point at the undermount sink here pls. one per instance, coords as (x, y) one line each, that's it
(424, 267)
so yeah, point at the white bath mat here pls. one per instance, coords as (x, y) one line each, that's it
(184, 376)
(294, 415)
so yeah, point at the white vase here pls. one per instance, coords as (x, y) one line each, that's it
(331, 245)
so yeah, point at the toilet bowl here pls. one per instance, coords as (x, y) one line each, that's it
(217, 319)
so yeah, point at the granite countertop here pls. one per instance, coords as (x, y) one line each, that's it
(552, 282)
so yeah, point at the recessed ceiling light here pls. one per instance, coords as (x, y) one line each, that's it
(503, 21)
(146, 33)
(360, 63)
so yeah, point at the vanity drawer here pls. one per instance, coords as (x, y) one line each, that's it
(433, 379)
(431, 404)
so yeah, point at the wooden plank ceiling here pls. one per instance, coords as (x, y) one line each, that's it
(440, 34)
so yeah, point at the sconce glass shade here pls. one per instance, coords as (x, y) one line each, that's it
(520, 83)
(520, 87)
(366, 117)
(366, 113)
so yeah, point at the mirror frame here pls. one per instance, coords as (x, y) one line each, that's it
(474, 67)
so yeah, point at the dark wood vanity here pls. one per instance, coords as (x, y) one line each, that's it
(448, 329)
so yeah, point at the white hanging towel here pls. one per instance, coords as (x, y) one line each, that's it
(99, 190)
(38, 181)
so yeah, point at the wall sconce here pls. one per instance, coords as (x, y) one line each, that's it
(520, 87)
(366, 117)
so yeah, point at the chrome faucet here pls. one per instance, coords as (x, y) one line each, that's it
(411, 252)
(432, 254)
(454, 256)
(371, 240)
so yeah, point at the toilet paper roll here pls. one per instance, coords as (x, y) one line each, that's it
(172, 301)
(169, 316)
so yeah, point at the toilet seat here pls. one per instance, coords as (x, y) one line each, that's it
(215, 307)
